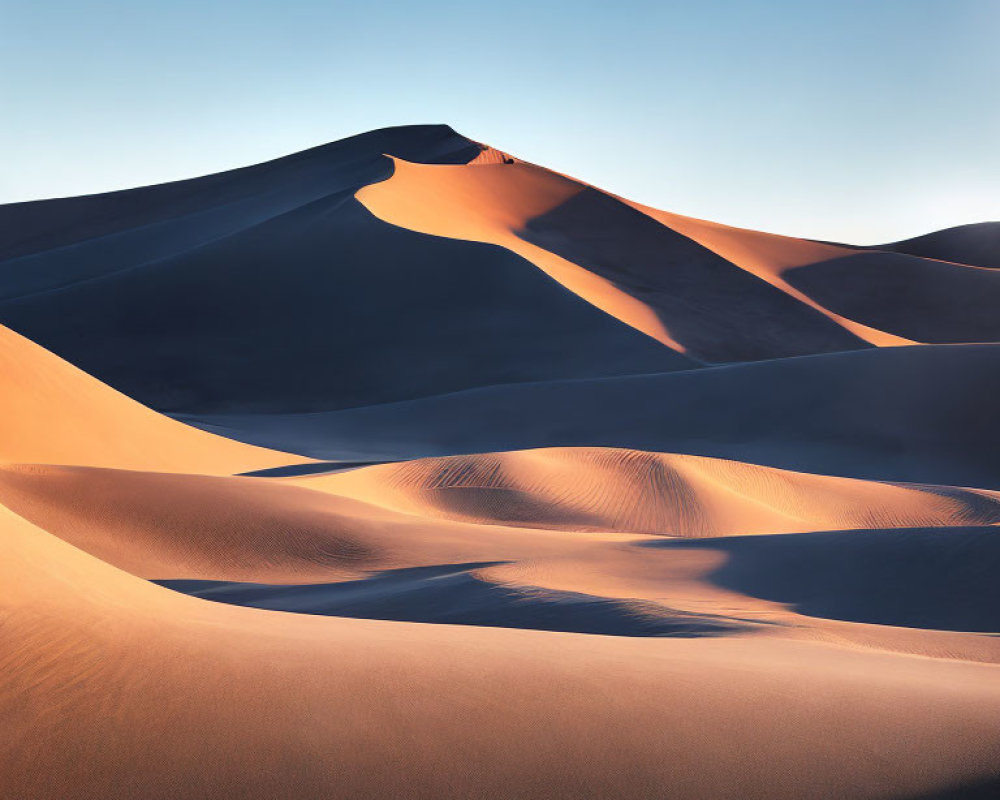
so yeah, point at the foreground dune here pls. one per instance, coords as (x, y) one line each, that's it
(271, 544)
(292, 705)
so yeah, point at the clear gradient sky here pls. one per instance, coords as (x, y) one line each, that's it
(852, 120)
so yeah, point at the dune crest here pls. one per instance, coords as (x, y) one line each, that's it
(655, 493)
(490, 203)
(768, 255)
(495, 198)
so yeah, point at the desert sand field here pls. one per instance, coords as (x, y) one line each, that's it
(401, 467)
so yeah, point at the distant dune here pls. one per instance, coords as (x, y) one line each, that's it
(977, 245)
(401, 467)
(922, 414)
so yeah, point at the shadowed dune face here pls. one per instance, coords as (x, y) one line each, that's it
(977, 245)
(929, 301)
(767, 256)
(452, 594)
(940, 579)
(163, 216)
(714, 309)
(919, 414)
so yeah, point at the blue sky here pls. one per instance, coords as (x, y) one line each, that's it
(846, 120)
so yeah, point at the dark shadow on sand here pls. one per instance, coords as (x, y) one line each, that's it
(450, 594)
(934, 578)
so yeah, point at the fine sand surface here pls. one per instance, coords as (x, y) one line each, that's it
(403, 468)
(640, 492)
(102, 670)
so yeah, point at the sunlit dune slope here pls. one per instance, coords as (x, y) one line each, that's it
(491, 202)
(293, 705)
(642, 492)
(716, 292)
(54, 413)
(465, 509)
(768, 256)
(248, 529)
(645, 274)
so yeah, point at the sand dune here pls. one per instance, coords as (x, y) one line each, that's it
(499, 507)
(455, 711)
(401, 467)
(642, 273)
(466, 711)
(677, 281)
(57, 414)
(919, 414)
(626, 278)
(223, 528)
(929, 301)
(977, 245)
(642, 492)
(302, 300)
(767, 256)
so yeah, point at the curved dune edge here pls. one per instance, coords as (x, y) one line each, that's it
(768, 255)
(266, 534)
(488, 201)
(437, 710)
(263, 530)
(65, 416)
(610, 489)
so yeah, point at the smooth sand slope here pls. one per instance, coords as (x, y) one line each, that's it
(926, 300)
(196, 526)
(55, 414)
(977, 245)
(463, 509)
(921, 414)
(293, 705)
(642, 492)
